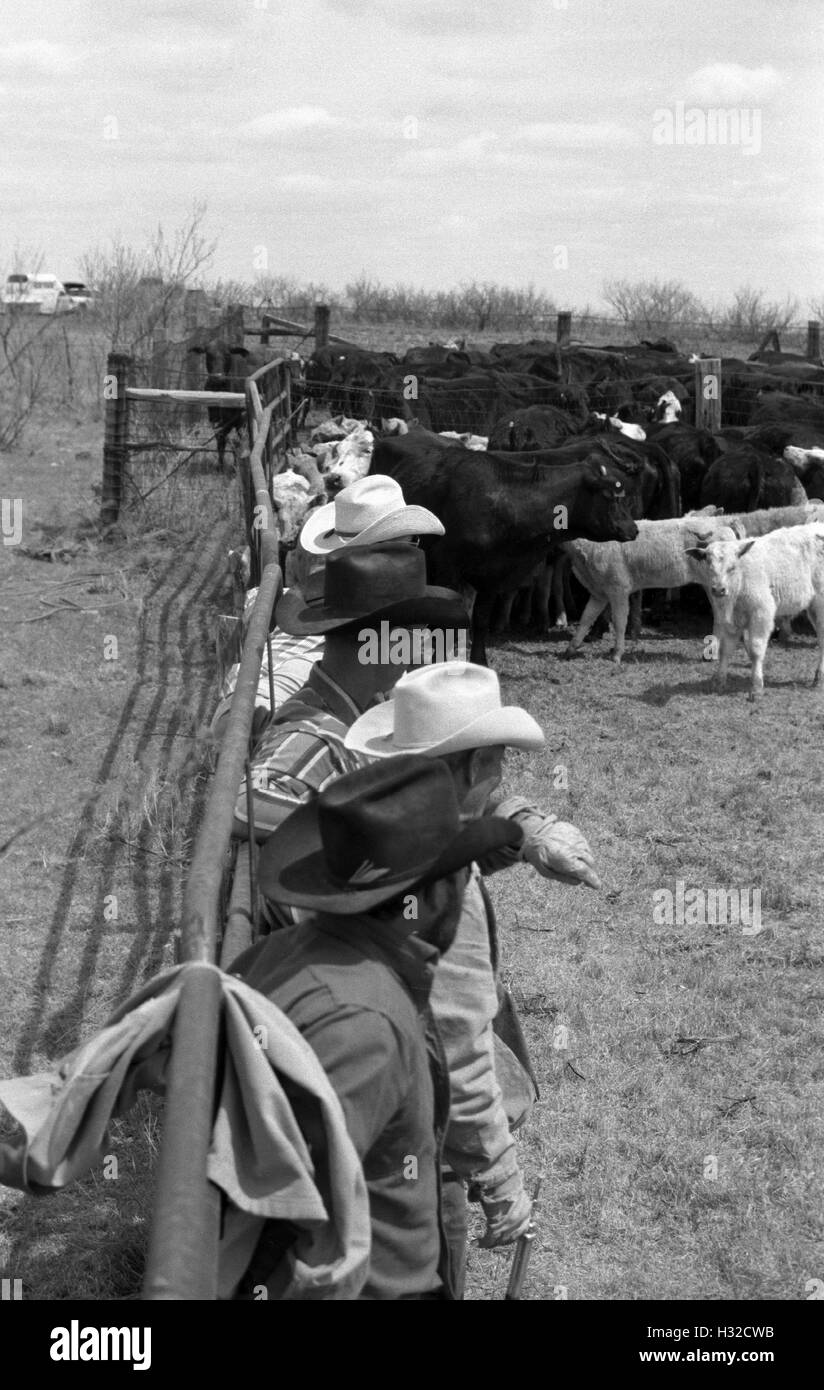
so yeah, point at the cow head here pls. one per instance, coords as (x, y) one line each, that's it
(290, 495)
(719, 562)
(606, 512)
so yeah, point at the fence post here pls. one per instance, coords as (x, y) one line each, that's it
(195, 316)
(234, 325)
(813, 340)
(116, 426)
(563, 331)
(264, 323)
(322, 313)
(708, 393)
(158, 364)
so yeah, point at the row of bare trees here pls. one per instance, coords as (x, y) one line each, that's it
(139, 292)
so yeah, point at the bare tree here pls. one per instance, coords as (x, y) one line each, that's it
(137, 290)
(751, 315)
(654, 304)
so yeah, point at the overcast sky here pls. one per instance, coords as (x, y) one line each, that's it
(425, 141)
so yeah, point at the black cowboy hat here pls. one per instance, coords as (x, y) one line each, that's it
(385, 582)
(373, 833)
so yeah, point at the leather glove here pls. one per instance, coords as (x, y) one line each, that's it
(558, 850)
(507, 1209)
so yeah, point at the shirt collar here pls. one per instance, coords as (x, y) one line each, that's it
(407, 954)
(334, 697)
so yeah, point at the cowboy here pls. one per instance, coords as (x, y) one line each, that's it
(301, 749)
(367, 512)
(380, 858)
(453, 712)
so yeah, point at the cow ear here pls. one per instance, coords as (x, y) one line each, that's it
(744, 546)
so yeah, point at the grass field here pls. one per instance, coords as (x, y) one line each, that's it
(678, 1135)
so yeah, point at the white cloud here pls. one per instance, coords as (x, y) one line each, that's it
(730, 82)
(464, 154)
(304, 183)
(290, 119)
(574, 135)
(37, 55)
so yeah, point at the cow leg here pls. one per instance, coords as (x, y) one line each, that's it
(635, 601)
(785, 631)
(620, 604)
(728, 641)
(756, 640)
(559, 569)
(480, 629)
(594, 607)
(503, 615)
(541, 596)
(815, 613)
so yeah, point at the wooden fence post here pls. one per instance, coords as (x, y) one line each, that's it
(234, 325)
(115, 434)
(196, 317)
(708, 393)
(322, 313)
(264, 323)
(157, 370)
(813, 340)
(563, 331)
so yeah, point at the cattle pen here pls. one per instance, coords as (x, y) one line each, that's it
(219, 912)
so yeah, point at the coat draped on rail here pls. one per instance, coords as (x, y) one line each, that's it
(258, 1156)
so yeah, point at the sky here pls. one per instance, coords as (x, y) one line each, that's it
(426, 142)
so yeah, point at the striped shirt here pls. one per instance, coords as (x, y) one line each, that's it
(292, 662)
(301, 752)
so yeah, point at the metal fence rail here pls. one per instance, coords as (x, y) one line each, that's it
(182, 1259)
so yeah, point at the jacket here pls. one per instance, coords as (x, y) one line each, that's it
(259, 1157)
(358, 990)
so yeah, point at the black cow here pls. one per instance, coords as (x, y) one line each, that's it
(747, 479)
(536, 427)
(348, 378)
(227, 368)
(501, 515)
(692, 450)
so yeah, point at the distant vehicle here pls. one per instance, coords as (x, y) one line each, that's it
(38, 294)
(79, 294)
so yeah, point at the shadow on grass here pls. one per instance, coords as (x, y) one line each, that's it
(164, 624)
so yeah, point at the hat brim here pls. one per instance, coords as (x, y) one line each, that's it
(435, 607)
(319, 536)
(373, 733)
(292, 866)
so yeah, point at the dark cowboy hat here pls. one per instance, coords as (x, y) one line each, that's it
(374, 583)
(374, 833)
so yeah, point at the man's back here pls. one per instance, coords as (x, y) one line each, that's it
(341, 985)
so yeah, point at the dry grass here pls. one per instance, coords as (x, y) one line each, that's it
(105, 762)
(685, 1043)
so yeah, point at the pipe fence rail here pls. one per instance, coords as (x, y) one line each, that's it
(182, 1259)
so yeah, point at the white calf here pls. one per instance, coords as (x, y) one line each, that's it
(657, 559)
(754, 582)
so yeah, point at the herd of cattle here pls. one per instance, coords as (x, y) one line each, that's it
(579, 459)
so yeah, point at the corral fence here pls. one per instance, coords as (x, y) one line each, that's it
(220, 910)
(185, 1227)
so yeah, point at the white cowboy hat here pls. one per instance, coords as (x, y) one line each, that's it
(368, 510)
(440, 709)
